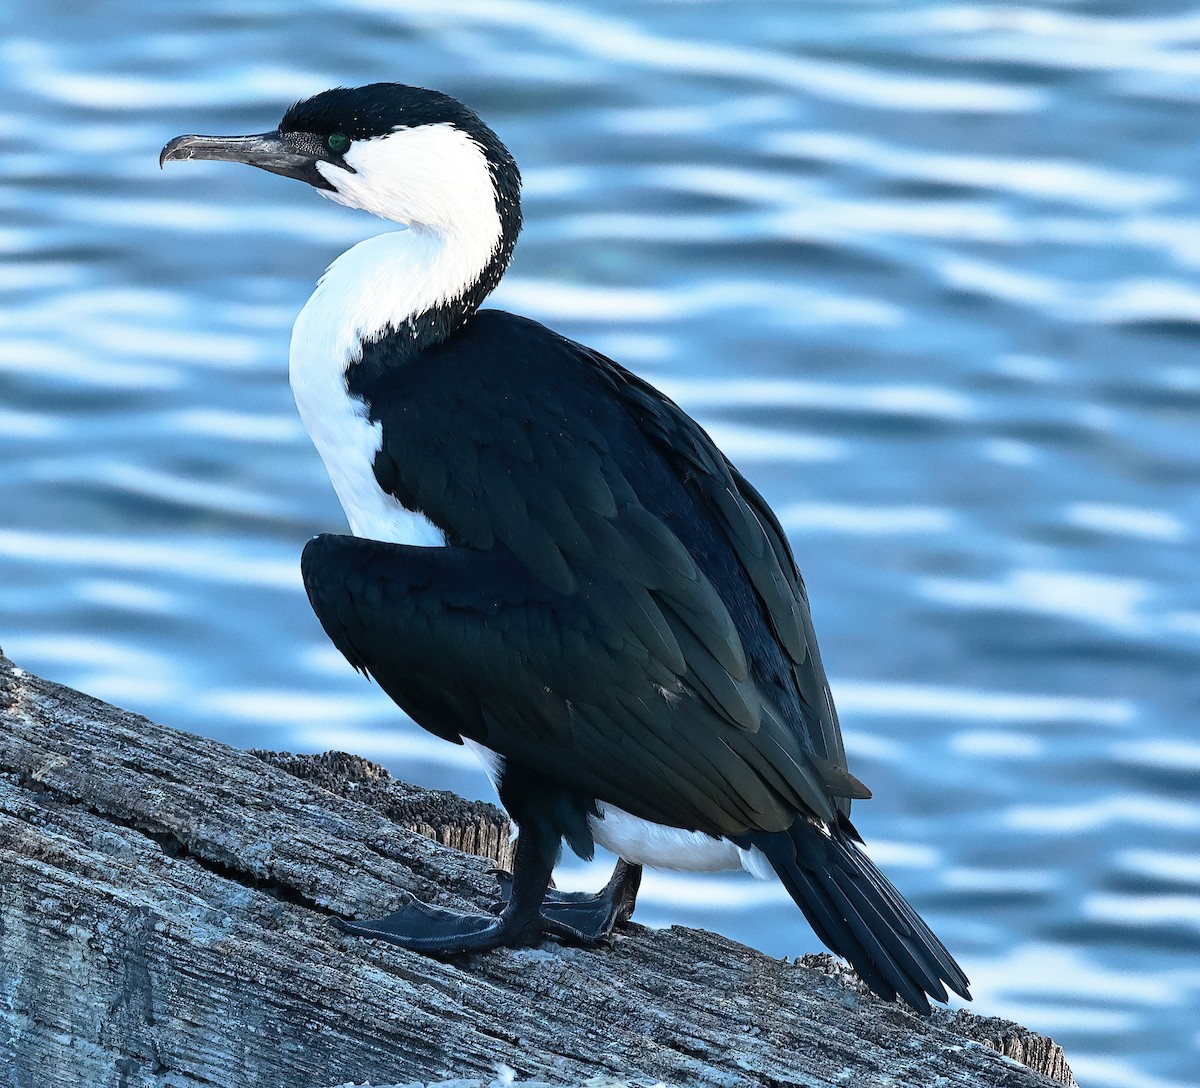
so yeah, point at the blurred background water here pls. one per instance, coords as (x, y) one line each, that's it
(926, 270)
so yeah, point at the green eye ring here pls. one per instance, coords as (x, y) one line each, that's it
(337, 142)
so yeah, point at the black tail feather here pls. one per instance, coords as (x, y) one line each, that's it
(830, 926)
(909, 960)
(856, 912)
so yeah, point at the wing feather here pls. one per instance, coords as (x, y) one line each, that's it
(619, 606)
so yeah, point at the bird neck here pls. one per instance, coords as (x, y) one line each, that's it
(415, 286)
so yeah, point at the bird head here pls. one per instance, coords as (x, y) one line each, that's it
(415, 156)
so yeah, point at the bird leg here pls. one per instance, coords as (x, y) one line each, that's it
(580, 917)
(421, 927)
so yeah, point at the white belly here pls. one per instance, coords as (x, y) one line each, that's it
(661, 847)
(654, 845)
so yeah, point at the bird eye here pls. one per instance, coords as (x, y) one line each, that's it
(337, 142)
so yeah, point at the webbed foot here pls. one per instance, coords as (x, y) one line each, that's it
(582, 917)
(432, 930)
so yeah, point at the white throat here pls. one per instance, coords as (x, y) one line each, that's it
(376, 287)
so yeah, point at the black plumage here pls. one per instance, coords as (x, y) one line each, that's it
(616, 613)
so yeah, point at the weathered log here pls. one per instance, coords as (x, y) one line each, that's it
(473, 827)
(165, 907)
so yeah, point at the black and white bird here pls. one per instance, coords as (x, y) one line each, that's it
(553, 563)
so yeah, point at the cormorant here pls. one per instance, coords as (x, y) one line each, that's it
(553, 563)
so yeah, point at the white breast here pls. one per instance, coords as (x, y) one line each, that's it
(347, 442)
(345, 438)
(369, 289)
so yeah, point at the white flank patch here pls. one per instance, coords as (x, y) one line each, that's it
(493, 762)
(662, 847)
(435, 180)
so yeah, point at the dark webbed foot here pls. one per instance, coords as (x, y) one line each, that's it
(529, 908)
(581, 917)
(421, 927)
(435, 931)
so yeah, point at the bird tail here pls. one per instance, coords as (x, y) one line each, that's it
(858, 913)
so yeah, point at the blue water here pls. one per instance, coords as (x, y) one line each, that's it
(927, 271)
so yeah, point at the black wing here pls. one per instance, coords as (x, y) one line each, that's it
(617, 608)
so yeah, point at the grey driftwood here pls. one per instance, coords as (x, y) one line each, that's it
(165, 906)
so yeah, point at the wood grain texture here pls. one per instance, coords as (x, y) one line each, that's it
(164, 923)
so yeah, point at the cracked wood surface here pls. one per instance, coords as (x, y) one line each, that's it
(164, 923)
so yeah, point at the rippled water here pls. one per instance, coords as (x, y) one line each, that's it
(927, 271)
